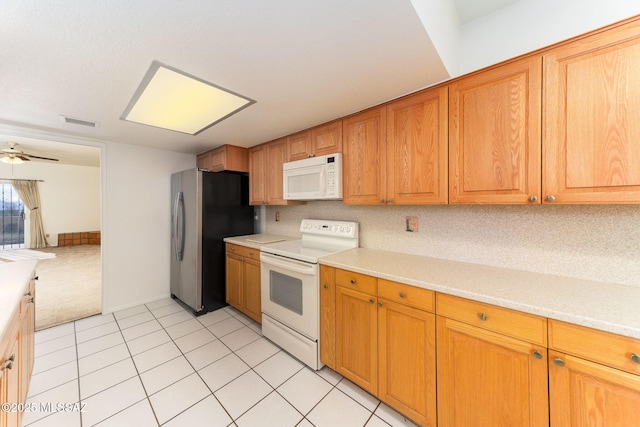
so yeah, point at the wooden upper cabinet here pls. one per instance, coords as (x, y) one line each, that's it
(364, 157)
(318, 141)
(227, 157)
(276, 156)
(417, 149)
(257, 175)
(299, 146)
(326, 139)
(591, 136)
(495, 135)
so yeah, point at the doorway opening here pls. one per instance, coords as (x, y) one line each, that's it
(11, 218)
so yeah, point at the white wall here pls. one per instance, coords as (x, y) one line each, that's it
(69, 195)
(527, 25)
(595, 242)
(136, 233)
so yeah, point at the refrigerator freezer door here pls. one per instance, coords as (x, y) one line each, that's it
(186, 278)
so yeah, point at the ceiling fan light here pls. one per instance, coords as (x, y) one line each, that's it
(172, 99)
(12, 160)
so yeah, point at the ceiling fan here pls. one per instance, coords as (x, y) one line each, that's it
(14, 156)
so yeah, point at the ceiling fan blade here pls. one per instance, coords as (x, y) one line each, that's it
(22, 157)
(38, 157)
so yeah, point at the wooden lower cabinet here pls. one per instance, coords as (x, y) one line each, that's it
(407, 360)
(594, 377)
(16, 358)
(243, 280)
(357, 338)
(489, 379)
(328, 316)
(588, 394)
(384, 346)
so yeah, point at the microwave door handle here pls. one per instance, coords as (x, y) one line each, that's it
(323, 181)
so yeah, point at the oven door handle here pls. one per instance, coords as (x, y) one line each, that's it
(289, 264)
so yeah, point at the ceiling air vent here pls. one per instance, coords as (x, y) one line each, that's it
(79, 122)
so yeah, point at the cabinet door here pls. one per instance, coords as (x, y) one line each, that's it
(203, 161)
(489, 379)
(251, 296)
(299, 146)
(276, 156)
(364, 158)
(356, 338)
(27, 340)
(326, 139)
(233, 273)
(328, 316)
(257, 175)
(587, 394)
(407, 360)
(10, 382)
(494, 136)
(591, 128)
(417, 149)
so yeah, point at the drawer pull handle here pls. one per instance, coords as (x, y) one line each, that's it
(635, 358)
(352, 281)
(537, 354)
(402, 295)
(482, 317)
(559, 362)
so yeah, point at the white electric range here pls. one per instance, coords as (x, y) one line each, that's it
(290, 278)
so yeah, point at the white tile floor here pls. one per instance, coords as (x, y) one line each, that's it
(156, 364)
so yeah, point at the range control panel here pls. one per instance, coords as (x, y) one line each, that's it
(346, 229)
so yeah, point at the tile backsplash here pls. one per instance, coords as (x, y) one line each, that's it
(596, 242)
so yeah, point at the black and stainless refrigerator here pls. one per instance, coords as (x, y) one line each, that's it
(206, 208)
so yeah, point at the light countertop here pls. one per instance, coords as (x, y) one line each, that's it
(608, 307)
(14, 279)
(256, 241)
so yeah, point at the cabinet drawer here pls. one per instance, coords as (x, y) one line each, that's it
(357, 281)
(244, 251)
(502, 320)
(406, 294)
(598, 346)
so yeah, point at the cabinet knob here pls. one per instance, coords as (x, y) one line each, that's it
(28, 294)
(352, 281)
(551, 198)
(537, 354)
(381, 200)
(388, 200)
(402, 295)
(533, 199)
(250, 253)
(482, 317)
(635, 358)
(380, 304)
(326, 286)
(31, 300)
(371, 300)
(558, 362)
(35, 278)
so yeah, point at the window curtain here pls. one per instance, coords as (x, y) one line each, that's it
(30, 196)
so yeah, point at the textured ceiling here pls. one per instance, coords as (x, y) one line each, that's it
(304, 62)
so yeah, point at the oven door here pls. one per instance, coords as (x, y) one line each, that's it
(290, 293)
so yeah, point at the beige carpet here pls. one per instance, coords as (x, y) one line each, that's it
(69, 286)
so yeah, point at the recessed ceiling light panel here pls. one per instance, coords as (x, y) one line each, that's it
(171, 99)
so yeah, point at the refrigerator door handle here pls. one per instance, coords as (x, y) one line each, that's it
(178, 224)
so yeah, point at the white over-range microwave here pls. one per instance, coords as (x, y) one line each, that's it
(315, 178)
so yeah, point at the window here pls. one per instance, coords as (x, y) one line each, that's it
(11, 218)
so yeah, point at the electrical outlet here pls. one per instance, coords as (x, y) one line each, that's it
(277, 216)
(412, 224)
